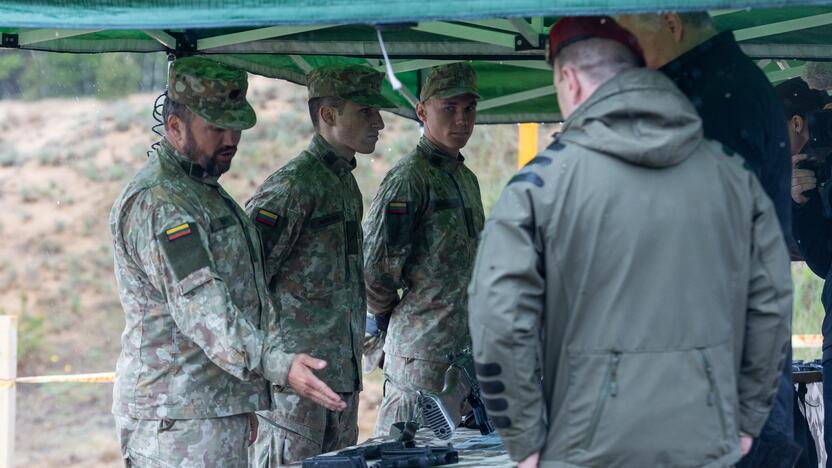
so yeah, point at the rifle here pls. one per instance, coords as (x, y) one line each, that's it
(442, 411)
(334, 461)
(391, 455)
(418, 457)
(374, 451)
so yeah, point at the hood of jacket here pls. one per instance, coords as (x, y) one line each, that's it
(640, 117)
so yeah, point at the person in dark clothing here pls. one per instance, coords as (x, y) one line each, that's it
(740, 109)
(812, 230)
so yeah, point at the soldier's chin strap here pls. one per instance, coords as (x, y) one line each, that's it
(157, 113)
(391, 76)
(158, 110)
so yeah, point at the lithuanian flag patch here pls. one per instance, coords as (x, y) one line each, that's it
(179, 231)
(266, 217)
(396, 207)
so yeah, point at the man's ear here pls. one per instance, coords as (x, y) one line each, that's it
(327, 114)
(421, 112)
(797, 123)
(674, 24)
(175, 130)
(573, 83)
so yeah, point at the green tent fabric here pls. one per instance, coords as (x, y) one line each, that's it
(503, 40)
(149, 14)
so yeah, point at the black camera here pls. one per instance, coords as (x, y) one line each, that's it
(819, 151)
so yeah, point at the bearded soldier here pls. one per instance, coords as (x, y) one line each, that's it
(190, 276)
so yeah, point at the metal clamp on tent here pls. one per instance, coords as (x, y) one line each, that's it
(186, 44)
(10, 41)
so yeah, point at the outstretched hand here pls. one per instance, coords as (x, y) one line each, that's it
(303, 381)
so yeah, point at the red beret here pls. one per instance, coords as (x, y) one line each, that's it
(571, 29)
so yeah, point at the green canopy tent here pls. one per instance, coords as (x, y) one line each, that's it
(504, 40)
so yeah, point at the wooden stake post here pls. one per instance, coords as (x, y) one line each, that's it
(8, 372)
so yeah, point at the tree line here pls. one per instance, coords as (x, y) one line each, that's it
(33, 75)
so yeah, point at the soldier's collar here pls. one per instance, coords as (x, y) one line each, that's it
(322, 149)
(439, 158)
(191, 169)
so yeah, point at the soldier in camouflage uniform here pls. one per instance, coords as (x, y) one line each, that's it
(309, 214)
(190, 276)
(422, 233)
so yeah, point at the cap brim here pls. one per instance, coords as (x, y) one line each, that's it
(451, 92)
(235, 117)
(375, 100)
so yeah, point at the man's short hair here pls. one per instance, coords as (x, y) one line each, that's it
(315, 105)
(818, 75)
(172, 107)
(597, 59)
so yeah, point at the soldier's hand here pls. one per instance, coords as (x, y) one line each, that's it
(252, 428)
(803, 180)
(304, 382)
(530, 462)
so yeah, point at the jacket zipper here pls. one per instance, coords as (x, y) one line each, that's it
(468, 222)
(714, 397)
(346, 205)
(608, 389)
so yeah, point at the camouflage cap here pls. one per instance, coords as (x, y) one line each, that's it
(358, 83)
(450, 80)
(213, 91)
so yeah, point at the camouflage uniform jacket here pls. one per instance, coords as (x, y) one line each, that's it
(190, 275)
(309, 214)
(422, 233)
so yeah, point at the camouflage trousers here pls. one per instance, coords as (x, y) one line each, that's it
(297, 428)
(184, 443)
(402, 378)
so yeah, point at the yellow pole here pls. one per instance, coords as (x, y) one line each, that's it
(527, 143)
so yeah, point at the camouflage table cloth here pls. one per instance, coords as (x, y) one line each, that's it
(474, 448)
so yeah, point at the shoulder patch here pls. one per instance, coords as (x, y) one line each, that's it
(396, 207)
(539, 161)
(502, 422)
(177, 232)
(490, 369)
(398, 222)
(270, 226)
(183, 249)
(530, 177)
(496, 404)
(265, 217)
(556, 146)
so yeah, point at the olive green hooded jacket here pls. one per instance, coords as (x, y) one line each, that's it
(643, 268)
